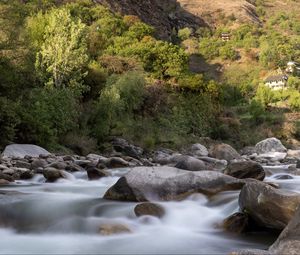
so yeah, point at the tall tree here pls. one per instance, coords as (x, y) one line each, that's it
(63, 53)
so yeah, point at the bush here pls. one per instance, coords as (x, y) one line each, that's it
(48, 115)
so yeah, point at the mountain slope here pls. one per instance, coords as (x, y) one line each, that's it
(164, 15)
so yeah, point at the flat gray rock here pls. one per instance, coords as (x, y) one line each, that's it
(22, 150)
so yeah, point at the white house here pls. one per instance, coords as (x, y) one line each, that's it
(277, 82)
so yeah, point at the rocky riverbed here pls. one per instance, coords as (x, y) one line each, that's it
(206, 199)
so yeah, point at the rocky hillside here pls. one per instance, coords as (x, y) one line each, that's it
(164, 15)
(213, 12)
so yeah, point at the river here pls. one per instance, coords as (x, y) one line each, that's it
(64, 218)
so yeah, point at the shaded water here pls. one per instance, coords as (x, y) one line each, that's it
(64, 218)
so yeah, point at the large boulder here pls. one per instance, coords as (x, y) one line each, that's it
(191, 164)
(169, 183)
(267, 206)
(224, 151)
(245, 169)
(22, 150)
(270, 145)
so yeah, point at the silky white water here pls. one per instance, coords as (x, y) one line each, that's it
(64, 218)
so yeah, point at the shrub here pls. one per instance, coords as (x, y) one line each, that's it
(48, 115)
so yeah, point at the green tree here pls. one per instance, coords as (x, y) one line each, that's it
(63, 53)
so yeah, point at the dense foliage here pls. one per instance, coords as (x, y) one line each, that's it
(75, 74)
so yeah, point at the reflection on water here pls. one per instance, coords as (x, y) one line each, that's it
(64, 218)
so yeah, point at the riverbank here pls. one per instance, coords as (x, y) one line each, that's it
(70, 204)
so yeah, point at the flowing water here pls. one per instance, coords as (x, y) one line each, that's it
(64, 218)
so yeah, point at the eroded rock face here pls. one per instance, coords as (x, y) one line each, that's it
(270, 145)
(224, 151)
(245, 169)
(267, 206)
(169, 183)
(149, 209)
(22, 150)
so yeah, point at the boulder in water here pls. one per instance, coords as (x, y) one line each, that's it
(149, 209)
(94, 173)
(169, 183)
(267, 206)
(270, 145)
(245, 169)
(224, 151)
(22, 150)
(191, 164)
(52, 174)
